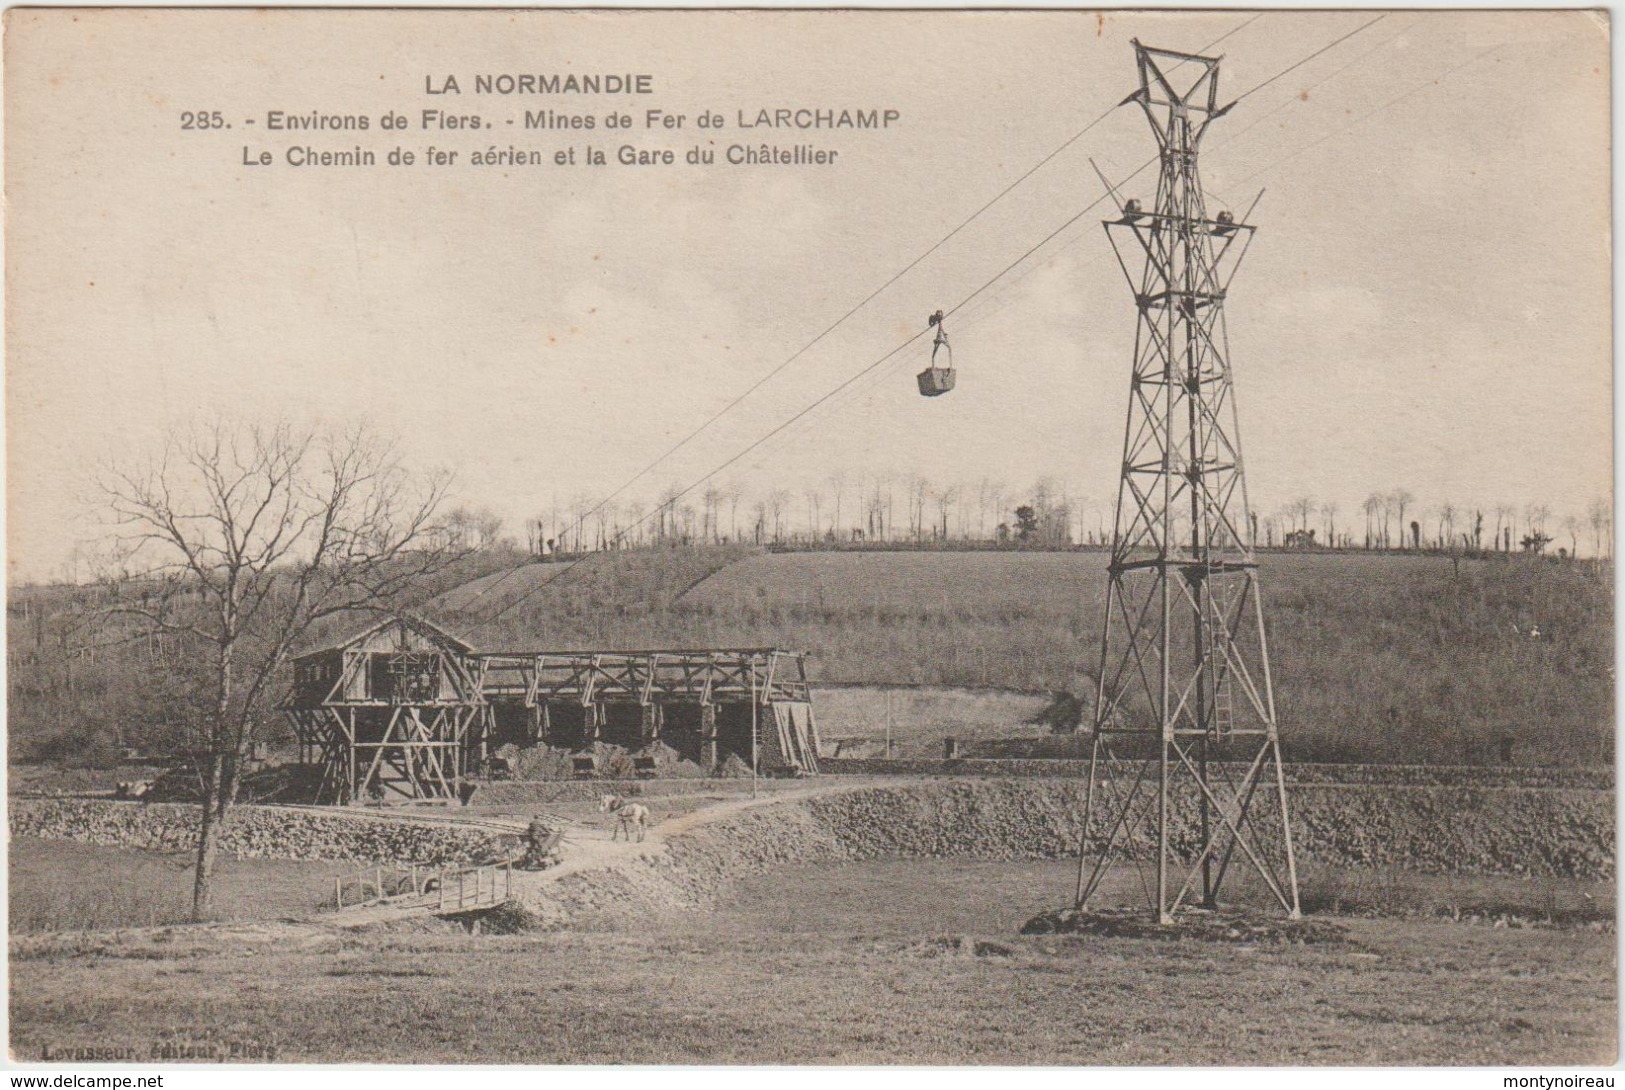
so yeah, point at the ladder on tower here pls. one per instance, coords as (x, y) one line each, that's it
(1221, 691)
(1224, 708)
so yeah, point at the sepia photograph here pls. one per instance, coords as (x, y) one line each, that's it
(722, 537)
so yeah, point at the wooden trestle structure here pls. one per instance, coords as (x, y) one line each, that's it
(386, 713)
(699, 702)
(406, 710)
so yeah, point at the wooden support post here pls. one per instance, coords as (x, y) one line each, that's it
(651, 722)
(350, 795)
(338, 892)
(753, 726)
(708, 735)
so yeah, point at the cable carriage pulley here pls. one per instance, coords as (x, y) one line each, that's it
(934, 380)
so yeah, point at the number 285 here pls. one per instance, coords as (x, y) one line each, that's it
(209, 119)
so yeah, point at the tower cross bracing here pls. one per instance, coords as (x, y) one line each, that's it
(1186, 744)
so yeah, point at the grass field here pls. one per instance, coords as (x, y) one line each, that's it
(888, 959)
(836, 964)
(62, 885)
(894, 897)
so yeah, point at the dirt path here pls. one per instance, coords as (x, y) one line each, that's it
(592, 843)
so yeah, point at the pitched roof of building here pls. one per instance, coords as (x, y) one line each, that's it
(343, 637)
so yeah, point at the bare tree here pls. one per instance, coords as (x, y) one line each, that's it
(1401, 499)
(876, 513)
(837, 487)
(712, 499)
(944, 498)
(1372, 507)
(1535, 515)
(487, 528)
(1302, 510)
(735, 493)
(637, 515)
(919, 488)
(1504, 513)
(607, 516)
(815, 504)
(468, 528)
(888, 482)
(778, 505)
(1328, 511)
(1074, 511)
(1447, 524)
(580, 506)
(1571, 526)
(1601, 519)
(759, 509)
(242, 538)
(666, 515)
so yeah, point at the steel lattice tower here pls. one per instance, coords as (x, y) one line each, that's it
(1185, 731)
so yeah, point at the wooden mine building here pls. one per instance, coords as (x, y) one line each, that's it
(387, 712)
(407, 710)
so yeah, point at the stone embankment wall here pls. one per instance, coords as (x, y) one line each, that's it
(1533, 832)
(1597, 779)
(257, 832)
(1447, 830)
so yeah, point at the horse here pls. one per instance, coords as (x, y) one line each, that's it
(627, 814)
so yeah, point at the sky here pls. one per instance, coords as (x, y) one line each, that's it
(1426, 305)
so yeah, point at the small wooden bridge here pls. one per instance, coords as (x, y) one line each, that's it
(435, 890)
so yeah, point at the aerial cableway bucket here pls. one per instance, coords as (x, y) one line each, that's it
(934, 380)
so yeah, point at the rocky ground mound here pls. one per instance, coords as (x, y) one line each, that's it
(1190, 924)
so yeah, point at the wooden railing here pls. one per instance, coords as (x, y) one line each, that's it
(442, 889)
(492, 886)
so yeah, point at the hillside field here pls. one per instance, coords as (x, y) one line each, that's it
(1377, 658)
